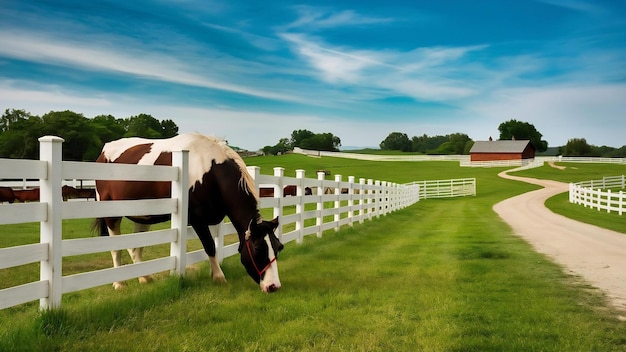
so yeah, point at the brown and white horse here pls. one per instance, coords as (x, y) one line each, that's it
(219, 186)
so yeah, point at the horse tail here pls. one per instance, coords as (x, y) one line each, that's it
(99, 226)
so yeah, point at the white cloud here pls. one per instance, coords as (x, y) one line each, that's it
(316, 17)
(560, 113)
(36, 47)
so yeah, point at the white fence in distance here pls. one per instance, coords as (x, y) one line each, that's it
(351, 202)
(446, 188)
(598, 194)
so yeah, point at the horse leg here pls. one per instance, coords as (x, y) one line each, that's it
(135, 253)
(209, 247)
(113, 226)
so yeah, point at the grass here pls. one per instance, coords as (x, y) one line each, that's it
(441, 275)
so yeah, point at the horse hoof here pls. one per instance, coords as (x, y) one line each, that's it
(119, 285)
(220, 279)
(145, 280)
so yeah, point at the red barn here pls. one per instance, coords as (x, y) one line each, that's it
(502, 150)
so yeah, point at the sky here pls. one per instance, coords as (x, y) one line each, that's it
(252, 72)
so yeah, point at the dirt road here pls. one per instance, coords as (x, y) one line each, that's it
(598, 255)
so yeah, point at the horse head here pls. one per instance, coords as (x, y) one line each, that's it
(259, 253)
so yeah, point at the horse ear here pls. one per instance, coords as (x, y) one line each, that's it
(274, 223)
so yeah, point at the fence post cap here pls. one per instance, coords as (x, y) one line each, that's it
(51, 139)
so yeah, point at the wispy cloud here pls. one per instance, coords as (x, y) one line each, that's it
(419, 73)
(314, 18)
(37, 47)
(588, 7)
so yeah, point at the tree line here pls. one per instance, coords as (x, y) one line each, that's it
(84, 137)
(305, 139)
(460, 143)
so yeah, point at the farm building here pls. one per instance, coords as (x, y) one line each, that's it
(502, 150)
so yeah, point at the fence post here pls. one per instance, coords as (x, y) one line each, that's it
(321, 175)
(337, 216)
(384, 193)
(621, 202)
(361, 198)
(300, 206)
(571, 192)
(351, 200)
(278, 193)
(180, 192)
(51, 232)
(370, 197)
(378, 200)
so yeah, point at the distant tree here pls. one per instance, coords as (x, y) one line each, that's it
(468, 147)
(322, 141)
(426, 144)
(19, 133)
(143, 125)
(519, 130)
(396, 141)
(108, 128)
(577, 147)
(168, 128)
(459, 142)
(282, 146)
(75, 129)
(298, 136)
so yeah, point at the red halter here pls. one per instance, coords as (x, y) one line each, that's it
(260, 272)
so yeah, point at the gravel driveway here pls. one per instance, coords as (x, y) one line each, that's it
(598, 255)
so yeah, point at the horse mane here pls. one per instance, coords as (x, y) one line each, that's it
(246, 182)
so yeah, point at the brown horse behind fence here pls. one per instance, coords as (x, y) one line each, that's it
(26, 195)
(7, 195)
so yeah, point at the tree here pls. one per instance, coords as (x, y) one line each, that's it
(425, 144)
(514, 129)
(76, 130)
(143, 125)
(298, 136)
(577, 147)
(108, 128)
(282, 146)
(168, 128)
(396, 141)
(19, 133)
(322, 141)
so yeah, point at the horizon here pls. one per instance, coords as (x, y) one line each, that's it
(252, 73)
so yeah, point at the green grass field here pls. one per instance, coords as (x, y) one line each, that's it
(441, 275)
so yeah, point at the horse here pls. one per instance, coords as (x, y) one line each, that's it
(7, 194)
(290, 190)
(68, 192)
(86, 193)
(265, 192)
(219, 186)
(26, 195)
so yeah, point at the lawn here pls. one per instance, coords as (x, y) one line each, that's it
(441, 275)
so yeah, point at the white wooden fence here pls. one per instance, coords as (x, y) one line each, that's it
(598, 194)
(351, 202)
(446, 188)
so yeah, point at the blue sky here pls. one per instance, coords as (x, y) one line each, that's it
(252, 72)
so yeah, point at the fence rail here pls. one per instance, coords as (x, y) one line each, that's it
(349, 202)
(447, 188)
(605, 195)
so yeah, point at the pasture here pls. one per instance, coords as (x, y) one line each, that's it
(441, 275)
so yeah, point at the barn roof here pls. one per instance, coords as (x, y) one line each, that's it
(503, 146)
